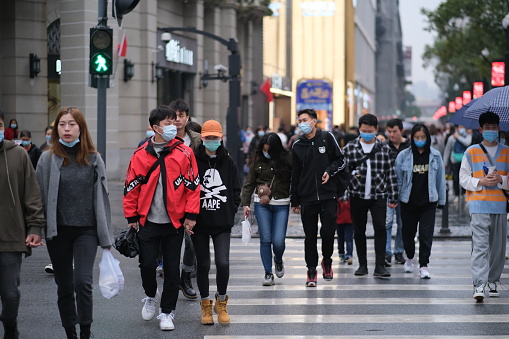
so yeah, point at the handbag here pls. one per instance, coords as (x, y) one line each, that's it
(265, 192)
(127, 243)
(491, 162)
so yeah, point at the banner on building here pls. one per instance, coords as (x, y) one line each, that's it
(478, 89)
(316, 94)
(497, 73)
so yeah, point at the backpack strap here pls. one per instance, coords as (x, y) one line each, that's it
(160, 160)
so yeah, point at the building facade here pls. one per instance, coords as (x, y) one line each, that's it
(57, 31)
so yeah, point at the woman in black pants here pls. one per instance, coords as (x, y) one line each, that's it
(219, 201)
(72, 178)
(421, 182)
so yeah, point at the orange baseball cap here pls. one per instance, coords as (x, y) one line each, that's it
(211, 128)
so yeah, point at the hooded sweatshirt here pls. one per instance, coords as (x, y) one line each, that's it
(220, 192)
(21, 205)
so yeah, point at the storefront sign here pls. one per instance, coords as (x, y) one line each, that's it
(316, 94)
(478, 89)
(497, 73)
(179, 54)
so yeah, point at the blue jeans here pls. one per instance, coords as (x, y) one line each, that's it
(345, 235)
(272, 224)
(389, 218)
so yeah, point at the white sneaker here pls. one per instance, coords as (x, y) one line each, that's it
(49, 269)
(149, 309)
(492, 290)
(408, 266)
(479, 292)
(424, 273)
(166, 321)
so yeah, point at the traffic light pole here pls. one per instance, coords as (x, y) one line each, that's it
(102, 83)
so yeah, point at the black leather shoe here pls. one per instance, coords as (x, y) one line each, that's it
(380, 271)
(186, 286)
(71, 333)
(388, 259)
(398, 257)
(362, 270)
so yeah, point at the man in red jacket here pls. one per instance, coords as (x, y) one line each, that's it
(162, 197)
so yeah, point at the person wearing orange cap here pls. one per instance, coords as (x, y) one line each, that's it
(219, 201)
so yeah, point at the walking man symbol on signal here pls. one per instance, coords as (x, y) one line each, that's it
(100, 61)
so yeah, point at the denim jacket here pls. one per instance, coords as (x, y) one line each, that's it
(436, 176)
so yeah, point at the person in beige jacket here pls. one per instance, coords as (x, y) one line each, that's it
(22, 221)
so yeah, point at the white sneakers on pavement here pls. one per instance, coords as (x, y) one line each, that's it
(408, 266)
(166, 321)
(479, 293)
(424, 273)
(149, 309)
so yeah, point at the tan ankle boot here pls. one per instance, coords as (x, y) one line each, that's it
(222, 311)
(206, 312)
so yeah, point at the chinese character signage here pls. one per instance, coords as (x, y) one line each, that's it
(452, 107)
(478, 89)
(467, 97)
(316, 94)
(459, 102)
(497, 73)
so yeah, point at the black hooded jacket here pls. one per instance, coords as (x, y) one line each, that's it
(311, 158)
(220, 191)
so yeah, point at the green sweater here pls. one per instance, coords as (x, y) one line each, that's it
(21, 205)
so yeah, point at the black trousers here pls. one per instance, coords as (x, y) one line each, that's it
(78, 245)
(152, 237)
(221, 243)
(326, 209)
(425, 217)
(359, 209)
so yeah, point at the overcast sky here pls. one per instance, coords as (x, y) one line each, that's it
(412, 25)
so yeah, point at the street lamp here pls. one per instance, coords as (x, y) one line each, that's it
(505, 25)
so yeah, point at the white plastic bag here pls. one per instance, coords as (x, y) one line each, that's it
(246, 231)
(111, 279)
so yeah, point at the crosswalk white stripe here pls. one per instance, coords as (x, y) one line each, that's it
(356, 287)
(368, 318)
(363, 301)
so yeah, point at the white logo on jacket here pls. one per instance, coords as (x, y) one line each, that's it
(212, 185)
(321, 149)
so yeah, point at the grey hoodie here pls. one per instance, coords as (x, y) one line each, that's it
(21, 205)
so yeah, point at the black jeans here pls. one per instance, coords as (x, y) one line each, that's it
(221, 243)
(74, 286)
(455, 169)
(10, 266)
(425, 217)
(169, 239)
(359, 208)
(326, 209)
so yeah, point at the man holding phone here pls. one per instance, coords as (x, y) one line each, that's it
(483, 174)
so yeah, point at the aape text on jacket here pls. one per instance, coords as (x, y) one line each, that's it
(180, 173)
(311, 158)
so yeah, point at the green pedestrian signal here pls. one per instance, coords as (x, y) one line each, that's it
(101, 51)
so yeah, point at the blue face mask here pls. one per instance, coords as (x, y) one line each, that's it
(490, 136)
(1, 135)
(169, 132)
(69, 144)
(462, 131)
(14, 126)
(261, 133)
(212, 145)
(26, 142)
(48, 138)
(367, 136)
(266, 155)
(150, 134)
(305, 127)
(420, 143)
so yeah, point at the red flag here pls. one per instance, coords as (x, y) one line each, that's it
(266, 89)
(122, 47)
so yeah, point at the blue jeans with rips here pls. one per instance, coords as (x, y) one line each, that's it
(272, 224)
(389, 220)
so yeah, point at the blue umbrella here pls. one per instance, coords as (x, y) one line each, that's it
(460, 118)
(495, 100)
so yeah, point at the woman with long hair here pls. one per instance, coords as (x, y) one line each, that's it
(421, 182)
(72, 178)
(11, 132)
(219, 201)
(271, 165)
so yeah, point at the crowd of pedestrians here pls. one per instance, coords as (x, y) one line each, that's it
(182, 189)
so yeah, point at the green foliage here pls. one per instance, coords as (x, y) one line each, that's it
(410, 108)
(463, 29)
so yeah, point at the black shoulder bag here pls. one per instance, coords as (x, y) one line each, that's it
(491, 162)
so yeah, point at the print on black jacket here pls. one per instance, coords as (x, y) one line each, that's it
(220, 192)
(311, 158)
